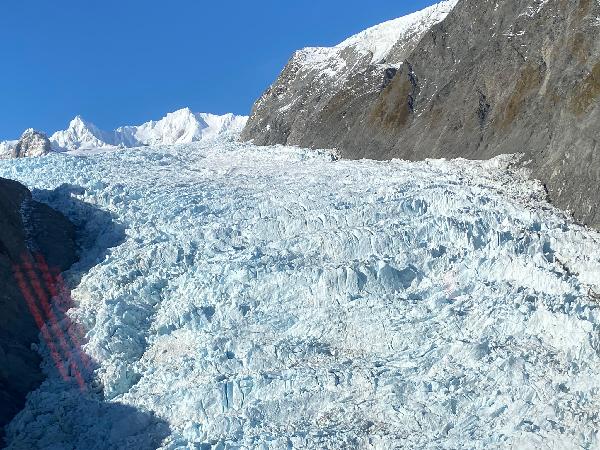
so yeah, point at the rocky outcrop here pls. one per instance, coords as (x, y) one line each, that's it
(28, 229)
(513, 76)
(32, 143)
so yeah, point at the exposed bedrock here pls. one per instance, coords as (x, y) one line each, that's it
(493, 77)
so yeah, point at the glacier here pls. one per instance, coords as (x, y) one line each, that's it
(278, 298)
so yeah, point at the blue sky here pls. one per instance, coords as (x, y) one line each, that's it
(129, 61)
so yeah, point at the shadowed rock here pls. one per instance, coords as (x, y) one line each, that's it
(26, 227)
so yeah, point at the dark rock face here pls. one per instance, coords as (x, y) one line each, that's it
(512, 76)
(27, 228)
(32, 143)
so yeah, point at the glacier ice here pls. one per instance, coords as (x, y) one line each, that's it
(274, 298)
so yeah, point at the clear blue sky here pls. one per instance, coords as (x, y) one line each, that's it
(129, 61)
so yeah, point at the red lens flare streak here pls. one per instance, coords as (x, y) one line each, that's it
(65, 348)
(58, 290)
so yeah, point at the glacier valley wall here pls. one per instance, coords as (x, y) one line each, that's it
(490, 77)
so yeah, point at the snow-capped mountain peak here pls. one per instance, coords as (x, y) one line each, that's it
(179, 127)
(80, 125)
(80, 134)
(77, 122)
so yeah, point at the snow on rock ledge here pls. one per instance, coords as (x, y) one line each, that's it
(380, 41)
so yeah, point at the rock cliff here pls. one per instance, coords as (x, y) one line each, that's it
(492, 77)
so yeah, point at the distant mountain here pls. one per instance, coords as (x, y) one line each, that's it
(80, 135)
(179, 127)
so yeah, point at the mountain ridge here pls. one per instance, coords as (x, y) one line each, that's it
(179, 127)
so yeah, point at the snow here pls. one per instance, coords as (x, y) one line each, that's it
(180, 127)
(377, 41)
(535, 8)
(274, 298)
(80, 135)
(6, 148)
(380, 39)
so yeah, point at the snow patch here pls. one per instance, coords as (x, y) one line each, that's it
(380, 39)
(6, 148)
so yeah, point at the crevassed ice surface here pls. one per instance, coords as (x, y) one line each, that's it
(273, 298)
